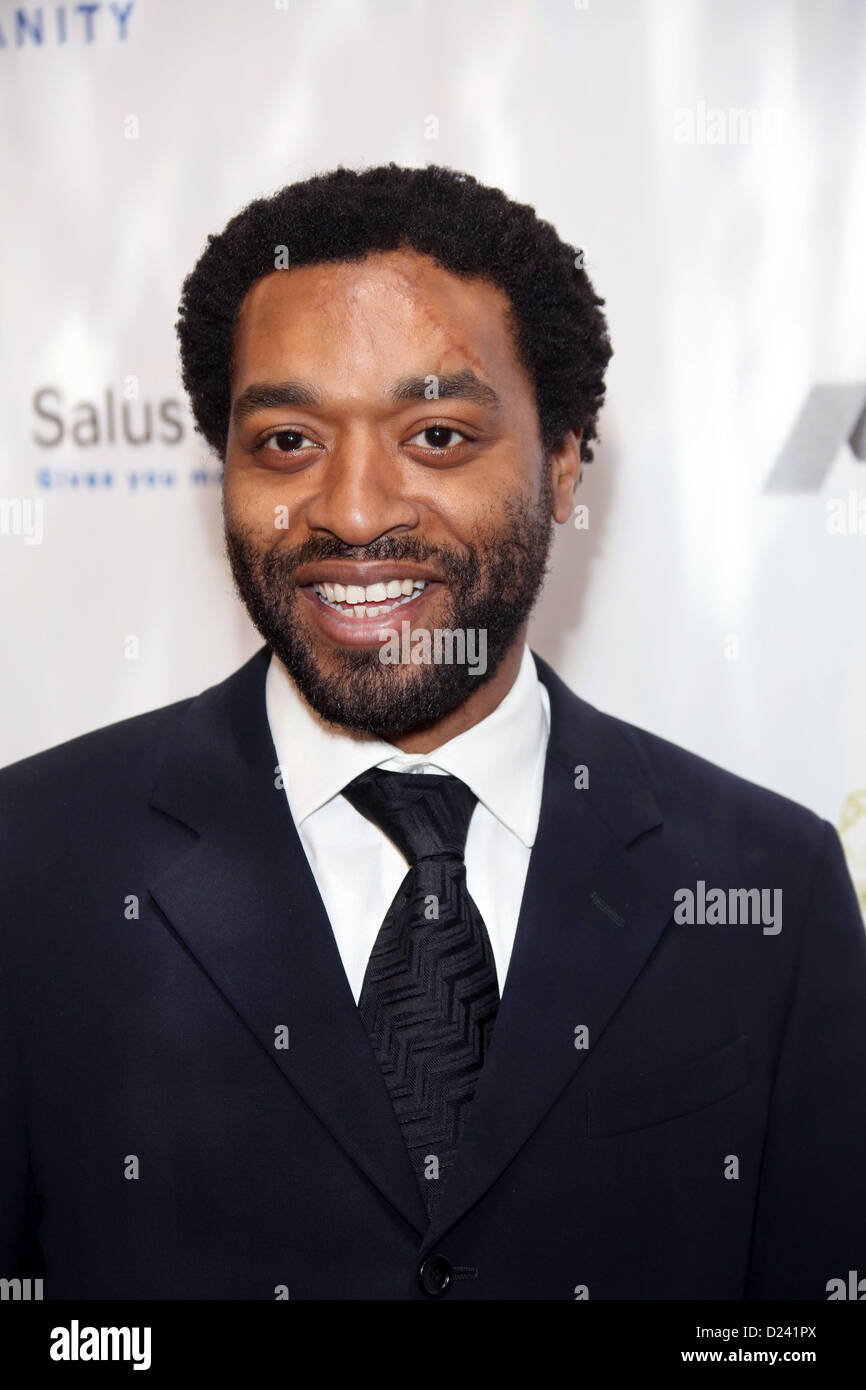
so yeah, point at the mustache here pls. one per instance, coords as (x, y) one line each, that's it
(281, 563)
(332, 548)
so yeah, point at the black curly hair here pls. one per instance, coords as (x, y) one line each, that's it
(466, 227)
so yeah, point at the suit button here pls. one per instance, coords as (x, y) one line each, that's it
(434, 1275)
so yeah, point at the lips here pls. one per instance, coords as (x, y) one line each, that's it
(354, 625)
(356, 603)
(362, 573)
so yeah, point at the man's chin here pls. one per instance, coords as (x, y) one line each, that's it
(356, 691)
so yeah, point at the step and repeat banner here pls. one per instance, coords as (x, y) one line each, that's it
(710, 162)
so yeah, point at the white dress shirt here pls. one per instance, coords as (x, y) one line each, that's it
(356, 867)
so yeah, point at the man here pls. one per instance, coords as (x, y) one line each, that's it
(389, 968)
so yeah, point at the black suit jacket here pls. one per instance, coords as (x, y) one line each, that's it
(161, 929)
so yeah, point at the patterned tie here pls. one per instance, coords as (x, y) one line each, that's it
(430, 995)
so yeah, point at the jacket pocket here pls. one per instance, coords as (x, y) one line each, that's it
(664, 1095)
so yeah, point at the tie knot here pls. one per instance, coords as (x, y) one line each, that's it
(424, 814)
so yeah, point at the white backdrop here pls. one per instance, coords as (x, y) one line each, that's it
(711, 160)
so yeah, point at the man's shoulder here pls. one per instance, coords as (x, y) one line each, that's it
(678, 772)
(121, 757)
(699, 801)
(114, 751)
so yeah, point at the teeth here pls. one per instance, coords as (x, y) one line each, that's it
(372, 600)
(373, 593)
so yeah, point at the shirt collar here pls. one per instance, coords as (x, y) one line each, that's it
(501, 758)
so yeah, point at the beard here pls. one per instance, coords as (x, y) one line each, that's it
(490, 586)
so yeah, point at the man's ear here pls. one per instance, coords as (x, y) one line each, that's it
(565, 475)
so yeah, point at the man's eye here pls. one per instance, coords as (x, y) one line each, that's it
(286, 442)
(438, 437)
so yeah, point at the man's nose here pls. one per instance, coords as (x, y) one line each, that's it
(361, 491)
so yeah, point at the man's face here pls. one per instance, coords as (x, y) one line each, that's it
(384, 433)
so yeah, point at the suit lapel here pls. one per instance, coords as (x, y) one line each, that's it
(588, 921)
(244, 901)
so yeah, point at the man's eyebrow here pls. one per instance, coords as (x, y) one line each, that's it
(272, 395)
(465, 385)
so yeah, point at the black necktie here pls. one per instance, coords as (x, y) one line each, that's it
(430, 995)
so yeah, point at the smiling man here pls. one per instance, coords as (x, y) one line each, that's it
(375, 971)
(405, 463)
